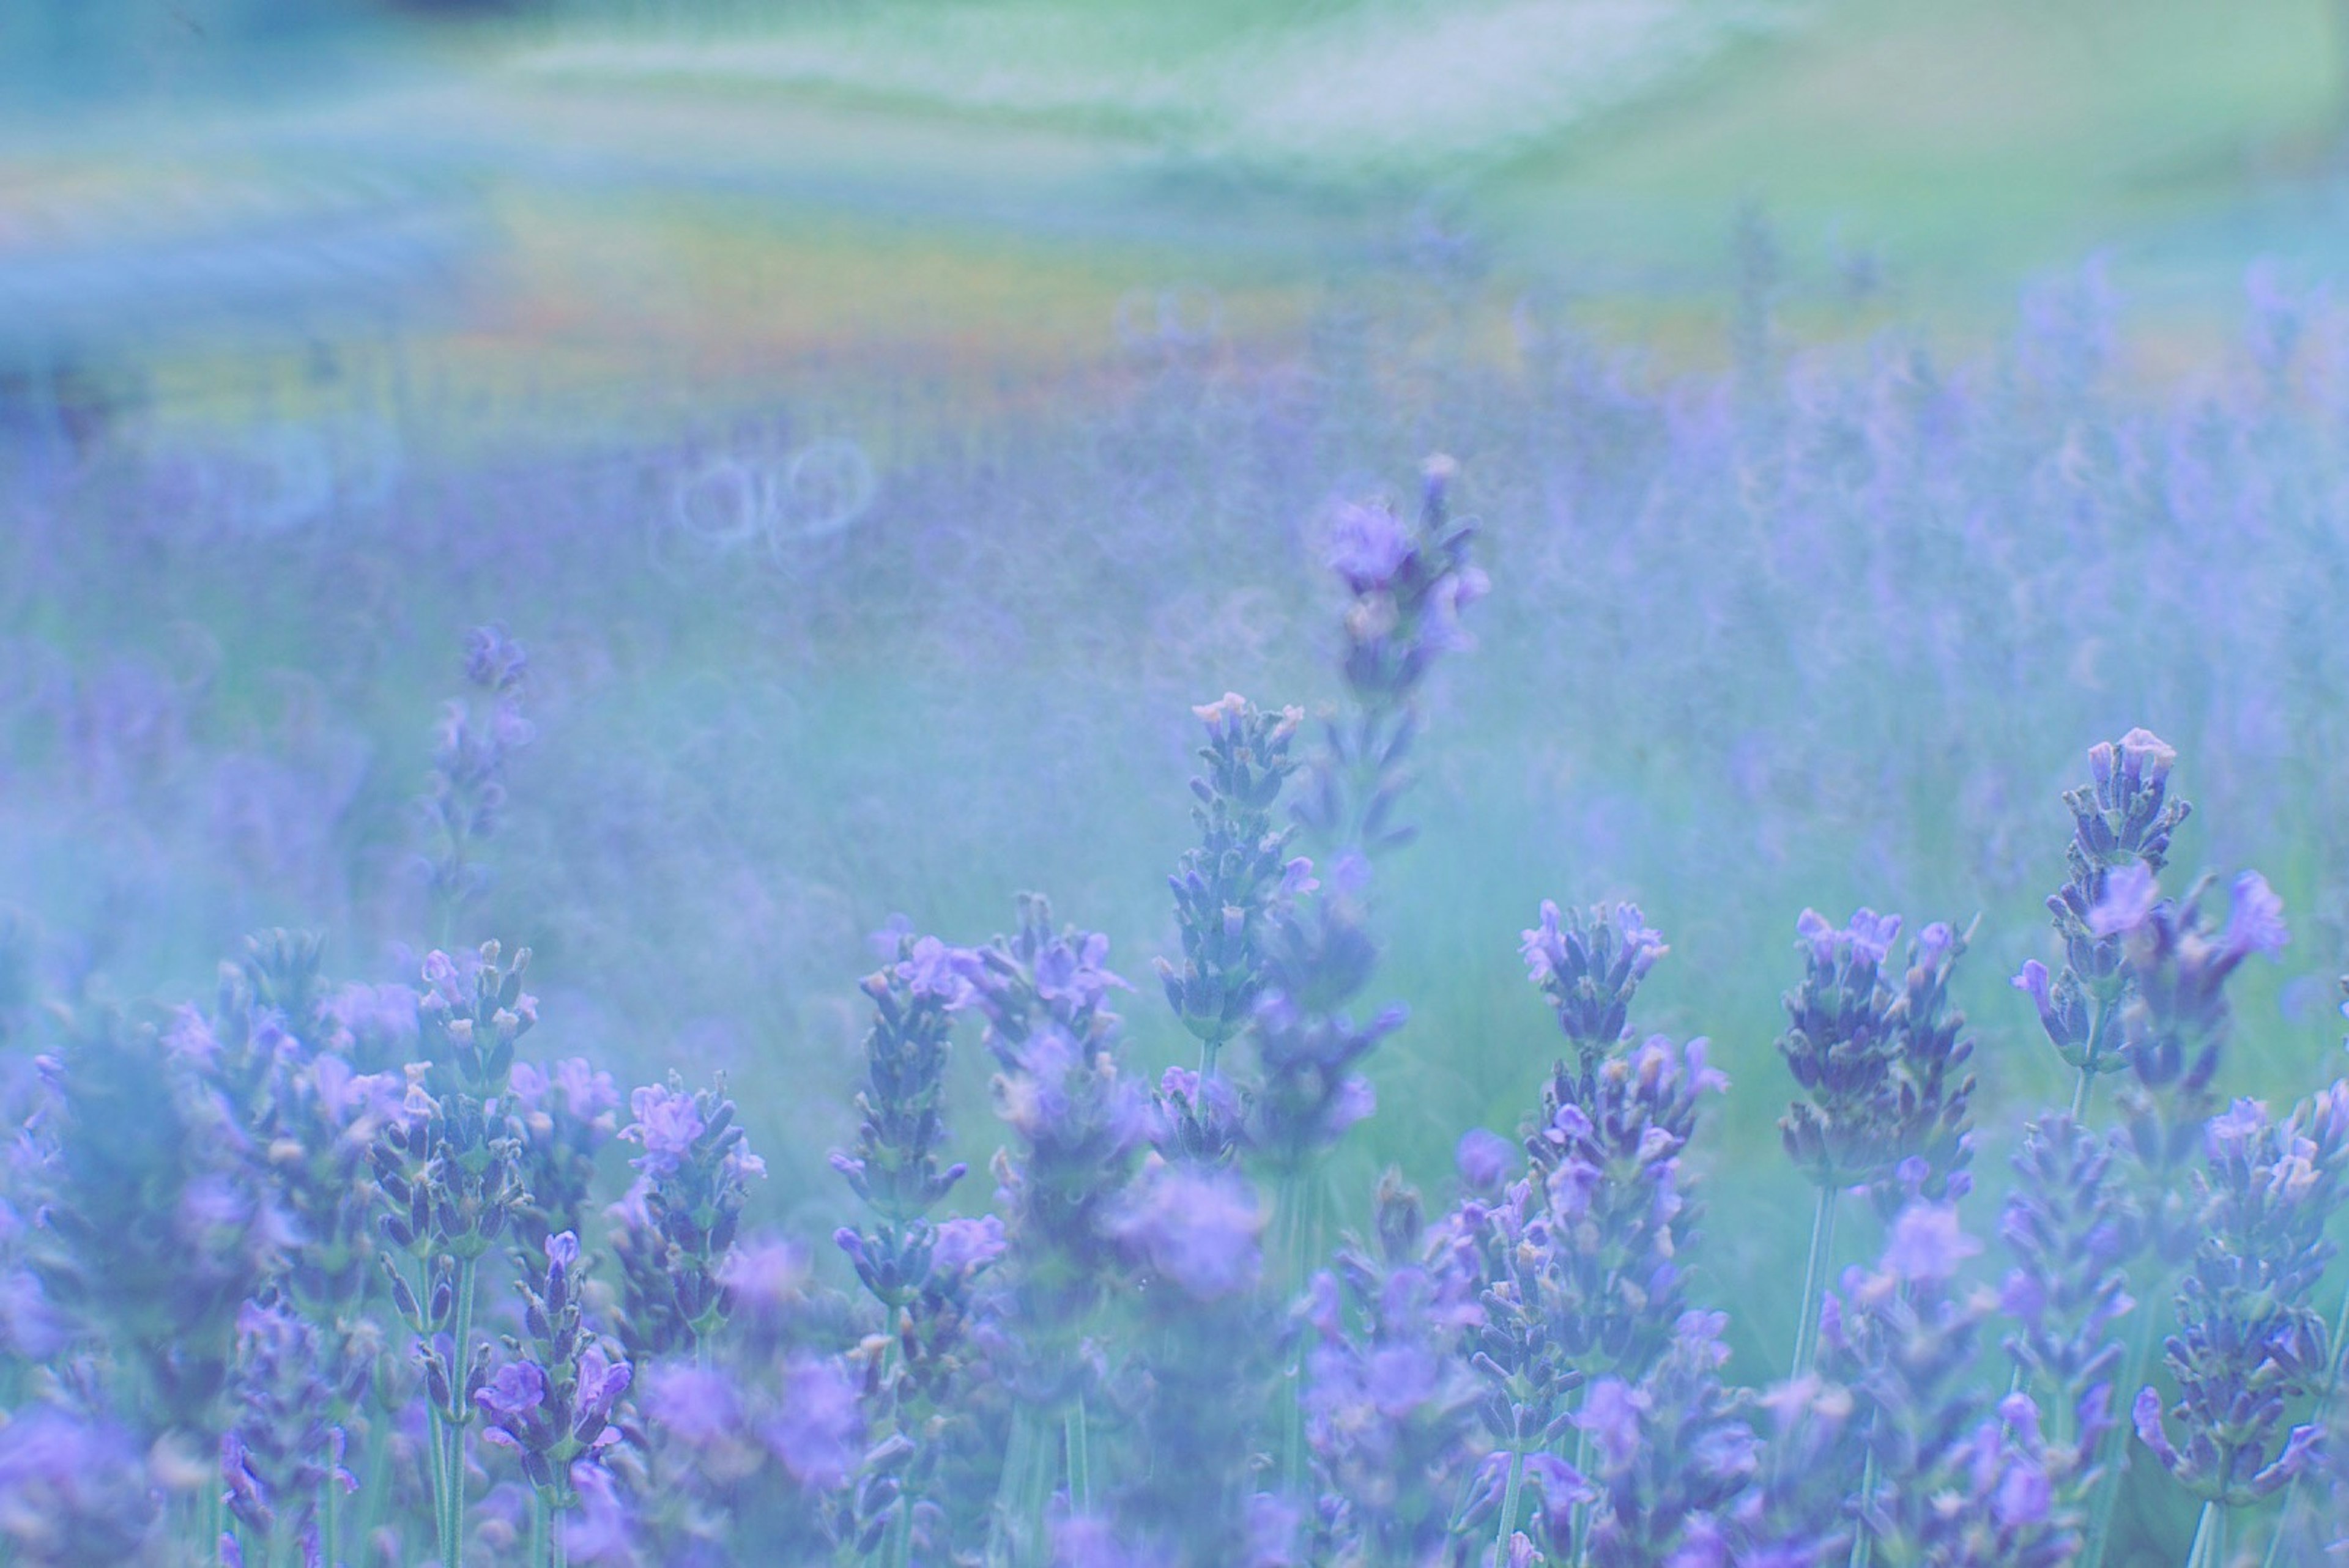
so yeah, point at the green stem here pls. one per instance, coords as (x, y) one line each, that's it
(1863, 1538)
(1815, 1267)
(1080, 1469)
(901, 1532)
(1579, 1531)
(452, 1547)
(540, 1556)
(377, 1482)
(2100, 1513)
(2209, 1548)
(1299, 1243)
(1508, 1525)
(2080, 1095)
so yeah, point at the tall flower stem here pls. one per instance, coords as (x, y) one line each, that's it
(1023, 1492)
(2080, 1094)
(1080, 1469)
(1863, 1538)
(901, 1533)
(1579, 1531)
(1815, 1268)
(1300, 1246)
(1508, 1525)
(2209, 1548)
(539, 1535)
(452, 1525)
(2109, 1495)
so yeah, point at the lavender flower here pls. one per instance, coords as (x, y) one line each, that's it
(1080, 1127)
(921, 1274)
(894, 1167)
(2122, 821)
(553, 1405)
(1583, 1258)
(1674, 1454)
(679, 1218)
(1589, 964)
(1589, 1245)
(74, 1490)
(470, 751)
(1228, 887)
(449, 1169)
(1882, 1057)
(563, 1113)
(2073, 1226)
(1389, 1399)
(281, 1451)
(1946, 1479)
(2248, 1340)
(1407, 589)
(1318, 960)
(157, 1220)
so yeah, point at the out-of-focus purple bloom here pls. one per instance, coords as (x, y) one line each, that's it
(472, 744)
(1368, 544)
(1199, 1229)
(74, 1490)
(2254, 918)
(816, 1428)
(1611, 1418)
(1928, 1245)
(1483, 1158)
(697, 1405)
(2073, 1225)
(1320, 957)
(966, 1243)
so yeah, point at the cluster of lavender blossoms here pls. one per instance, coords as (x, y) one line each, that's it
(331, 1275)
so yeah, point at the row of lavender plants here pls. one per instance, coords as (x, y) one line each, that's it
(330, 1273)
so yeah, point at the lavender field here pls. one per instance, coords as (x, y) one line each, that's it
(758, 852)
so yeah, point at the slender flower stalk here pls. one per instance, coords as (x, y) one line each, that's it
(920, 1273)
(449, 1169)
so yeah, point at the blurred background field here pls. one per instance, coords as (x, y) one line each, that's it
(881, 421)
